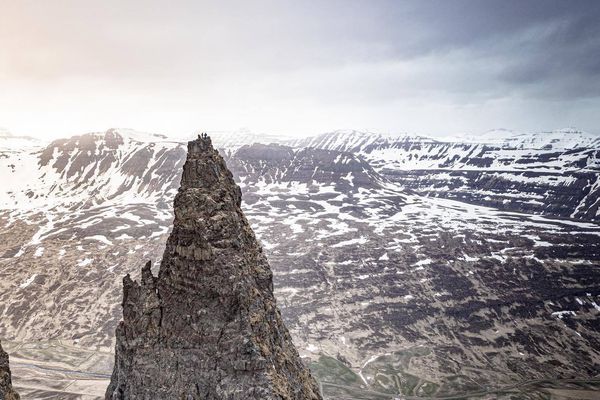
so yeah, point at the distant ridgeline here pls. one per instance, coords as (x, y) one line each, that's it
(551, 173)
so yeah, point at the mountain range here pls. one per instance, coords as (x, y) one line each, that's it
(403, 265)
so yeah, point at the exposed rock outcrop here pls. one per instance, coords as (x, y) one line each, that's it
(207, 327)
(6, 390)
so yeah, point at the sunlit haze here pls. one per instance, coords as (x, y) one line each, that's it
(298, 67)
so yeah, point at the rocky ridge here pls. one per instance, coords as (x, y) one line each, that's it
(6, 390)
(208, 326)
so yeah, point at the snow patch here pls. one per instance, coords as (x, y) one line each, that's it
(28, 282)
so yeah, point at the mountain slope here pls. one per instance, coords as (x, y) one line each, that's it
(91, 169)
(549, 173)
(383, 290)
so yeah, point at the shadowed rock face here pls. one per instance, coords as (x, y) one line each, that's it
(6, 390)
(208, 326)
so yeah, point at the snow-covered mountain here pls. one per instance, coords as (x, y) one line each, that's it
(550, 173)
(114, 167)
(562, 150)
(381, 278)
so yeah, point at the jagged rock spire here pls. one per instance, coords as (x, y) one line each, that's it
(208, 326)
(6, 390)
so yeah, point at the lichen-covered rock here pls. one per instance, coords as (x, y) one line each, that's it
(207, 327)
(6, 390)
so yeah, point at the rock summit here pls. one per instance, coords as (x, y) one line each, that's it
(208, 326)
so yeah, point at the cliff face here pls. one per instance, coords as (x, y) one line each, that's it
(6, 390)
(207, 327)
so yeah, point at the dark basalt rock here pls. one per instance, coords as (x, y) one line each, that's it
(6, 390)
(207, 327)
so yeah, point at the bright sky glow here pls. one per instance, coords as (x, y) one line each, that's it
(298, 67)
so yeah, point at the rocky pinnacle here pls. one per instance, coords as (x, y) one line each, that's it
(6, 390)
(208, 326)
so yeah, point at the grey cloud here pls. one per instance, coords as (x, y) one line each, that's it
(344, 53)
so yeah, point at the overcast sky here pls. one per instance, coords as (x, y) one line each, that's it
(299, 67)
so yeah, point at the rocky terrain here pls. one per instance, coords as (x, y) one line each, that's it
(388, 290)
(208, 326)
(6, 390)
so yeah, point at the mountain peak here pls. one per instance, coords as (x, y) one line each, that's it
(196, 148)
(208, 327)
(205, 169)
